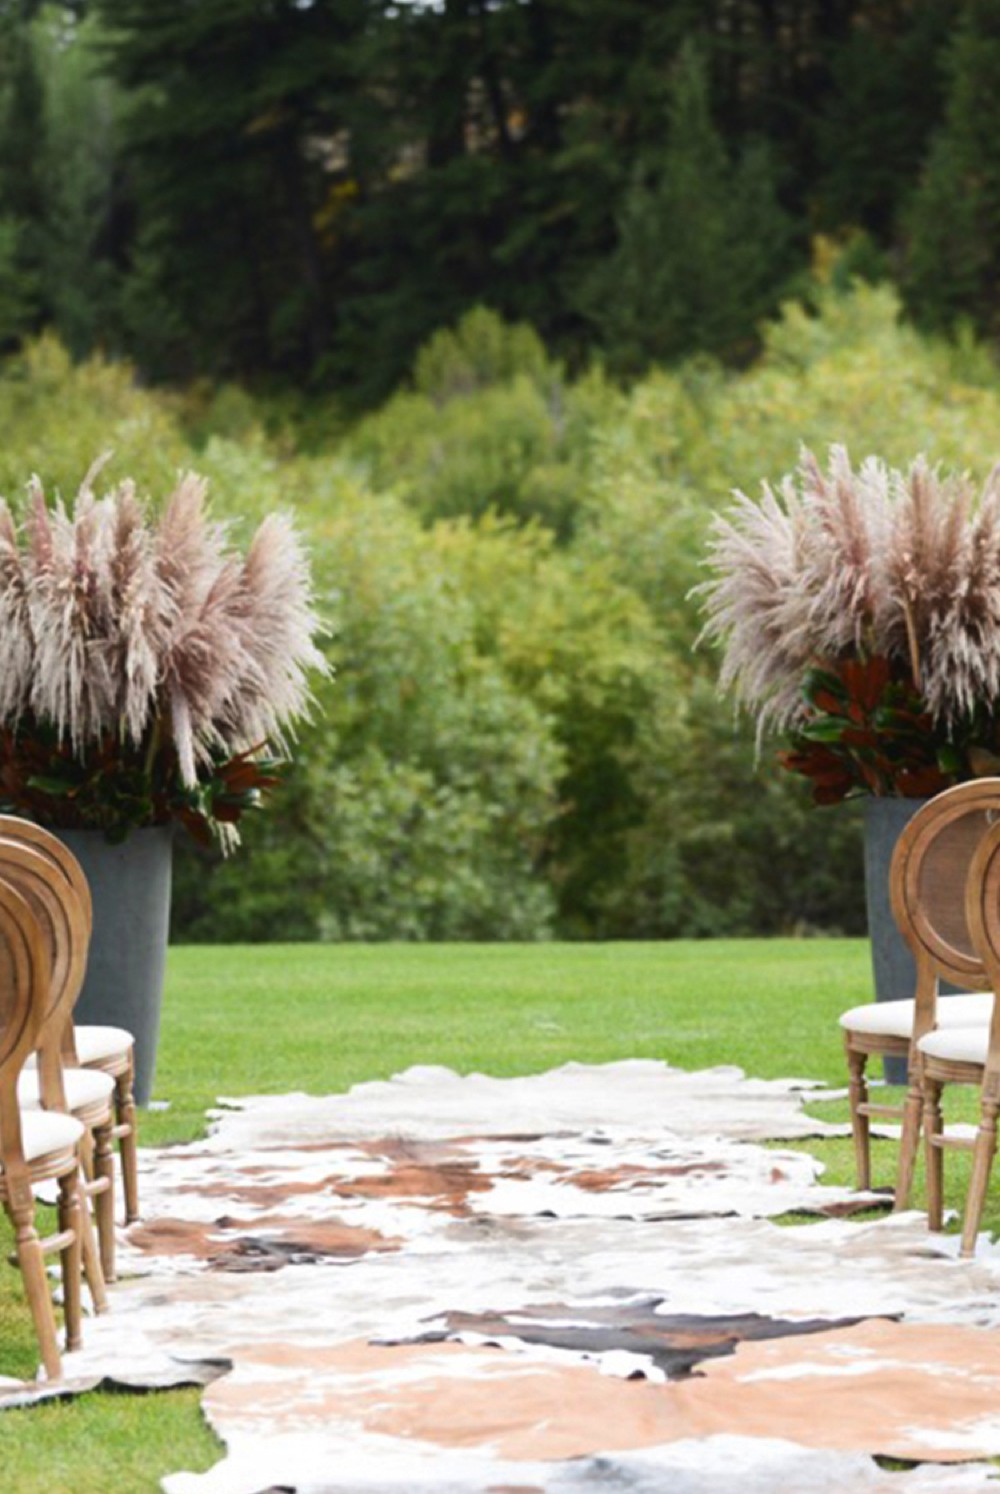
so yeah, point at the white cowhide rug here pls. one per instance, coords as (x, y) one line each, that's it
(550, 1285)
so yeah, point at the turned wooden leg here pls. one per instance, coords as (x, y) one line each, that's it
(91, 1258)
(982, 1162)
(856, 1063)
(104, 1198)
(36, 1282)
(909, 1140)
(125, 1114)
(70, 1212)
(933, 1126)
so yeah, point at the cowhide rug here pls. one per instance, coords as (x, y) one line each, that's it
(563, 1283)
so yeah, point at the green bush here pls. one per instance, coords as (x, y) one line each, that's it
(420, 800)
(522, 739)
(490, 425)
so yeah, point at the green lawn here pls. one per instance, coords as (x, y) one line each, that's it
(320, 1018)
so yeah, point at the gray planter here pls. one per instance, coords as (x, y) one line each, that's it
(130, 887)
(894, 972)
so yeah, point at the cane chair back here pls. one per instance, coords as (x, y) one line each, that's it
(983, 915)
(971, 1057)
(36, 1148)
(930, 872)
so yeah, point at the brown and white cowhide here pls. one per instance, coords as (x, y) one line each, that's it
(561, 1283)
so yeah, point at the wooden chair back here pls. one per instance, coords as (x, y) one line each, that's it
(55, 851)
(62, 927)
(983, 916)
(930, 872)
(23, 998)
(12, 827)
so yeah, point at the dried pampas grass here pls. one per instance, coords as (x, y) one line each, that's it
(858, 561)
(113, 626)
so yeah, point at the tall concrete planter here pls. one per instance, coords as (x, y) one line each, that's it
(893, 970)
(130, 887)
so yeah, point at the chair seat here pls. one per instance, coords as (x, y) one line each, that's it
(895, 1018)
(957, 1044)
(95, 1043)
(44, 1131)
(84, 1087)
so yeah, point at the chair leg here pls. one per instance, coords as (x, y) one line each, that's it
(36, 1283)
(909, 1140)
(70, 1211)
(933, 1126)
(856, 1063)
(982, 1162)
(104, 1198)
(91, 1258)
(125, 1115)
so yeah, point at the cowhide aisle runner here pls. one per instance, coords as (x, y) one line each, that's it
(550, 1285)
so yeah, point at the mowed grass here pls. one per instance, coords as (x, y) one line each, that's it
(269, 1019)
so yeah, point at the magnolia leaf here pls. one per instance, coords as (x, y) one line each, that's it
(57, 787)
(819, 687)
(822, 730)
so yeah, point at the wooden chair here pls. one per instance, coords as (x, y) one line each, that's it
(929, 870)
(968, 1055)
(109, 1050)
(50, 1087)
(37, 1147)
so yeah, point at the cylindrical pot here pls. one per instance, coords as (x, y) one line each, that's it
(893, 969)
(130, 887)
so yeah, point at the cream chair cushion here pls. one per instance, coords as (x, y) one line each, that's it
(95, 1043)
(895, 1018)
(47, 1131)
(958, 1044)
(84, 1087)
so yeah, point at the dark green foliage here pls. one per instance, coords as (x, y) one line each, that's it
(304, 193)
(520, 741)
(954, 219)
(703, 244)
(22, 205)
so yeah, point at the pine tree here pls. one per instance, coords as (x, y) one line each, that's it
(953, 222)
(703, 245)
(21, 192)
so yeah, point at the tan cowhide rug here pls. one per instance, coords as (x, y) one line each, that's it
(563, 1283)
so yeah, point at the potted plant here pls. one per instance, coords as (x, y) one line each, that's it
(151, 677)
(858, 614)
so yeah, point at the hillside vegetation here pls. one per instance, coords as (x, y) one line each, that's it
(521, 740)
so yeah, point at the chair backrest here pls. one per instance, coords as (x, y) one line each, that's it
(12, 827)
(61, 923)
(59, 855)
(983, 916)
(23, 996)
(928, 879)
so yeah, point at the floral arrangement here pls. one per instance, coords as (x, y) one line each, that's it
(858, 611)
(150, 672)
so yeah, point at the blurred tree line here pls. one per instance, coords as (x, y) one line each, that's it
(521, 739)
(302, 191)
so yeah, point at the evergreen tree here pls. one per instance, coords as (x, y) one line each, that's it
(233, 136)
(22, 202)
(703, 248)
(86, 215)
(953, 222)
